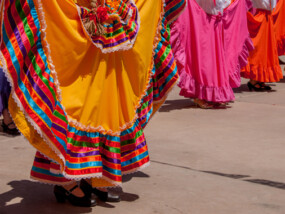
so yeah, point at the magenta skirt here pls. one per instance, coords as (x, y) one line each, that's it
(210, 50)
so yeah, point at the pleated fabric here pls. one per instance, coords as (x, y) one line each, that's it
(210, 50)
(82, 109)
(279, 26)
(121, 29)
(266, 29)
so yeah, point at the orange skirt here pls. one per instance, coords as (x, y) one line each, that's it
(279, 26)
(263, 61)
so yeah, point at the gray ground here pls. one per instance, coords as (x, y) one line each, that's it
(223, 161)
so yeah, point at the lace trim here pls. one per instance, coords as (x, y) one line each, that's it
(18, 102)
(47, 49)
(176, 17)
(123, 47)
(156, 42)
(127, 125)
(37, 128)
(42, 181)
(73, 178)
(73, 121)
(14, 96)
(136, 169)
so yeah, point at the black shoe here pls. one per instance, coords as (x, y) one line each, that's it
(253, 87)
(62, 195)
(265, 87)
(7, 130)
(103, 196)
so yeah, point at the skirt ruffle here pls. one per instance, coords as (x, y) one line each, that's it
(263, 74)
(209, 51)
(235, 77)
(122, 29)
(190, 88)
(44, 111)
(263, 63)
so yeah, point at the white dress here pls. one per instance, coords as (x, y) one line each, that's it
(210, 7)
(264, 4)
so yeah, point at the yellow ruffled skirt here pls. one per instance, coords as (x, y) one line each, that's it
(82, 102)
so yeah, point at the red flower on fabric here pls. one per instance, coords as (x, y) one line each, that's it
(93, 17)
(102, 13)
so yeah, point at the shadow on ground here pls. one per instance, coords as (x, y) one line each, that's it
(246, 178)
(28, 197)
(33, 197)
(171, 105)
(139, 174)
(244, 88)
(241, 89)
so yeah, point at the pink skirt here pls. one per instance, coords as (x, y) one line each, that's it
(210, 50)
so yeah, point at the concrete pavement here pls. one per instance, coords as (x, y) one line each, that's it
(222, 161)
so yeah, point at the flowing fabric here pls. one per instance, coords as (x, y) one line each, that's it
(265, 29)
(173, 9)
(210, 49)
(84, 110)
(279, 26)
(122, 28)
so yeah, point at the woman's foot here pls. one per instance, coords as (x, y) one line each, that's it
(222, 104)
(8, 129)
(74, 195)
(265, 87)
(101, 193)
(254, 86)
(203, 104)
(8, 125)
